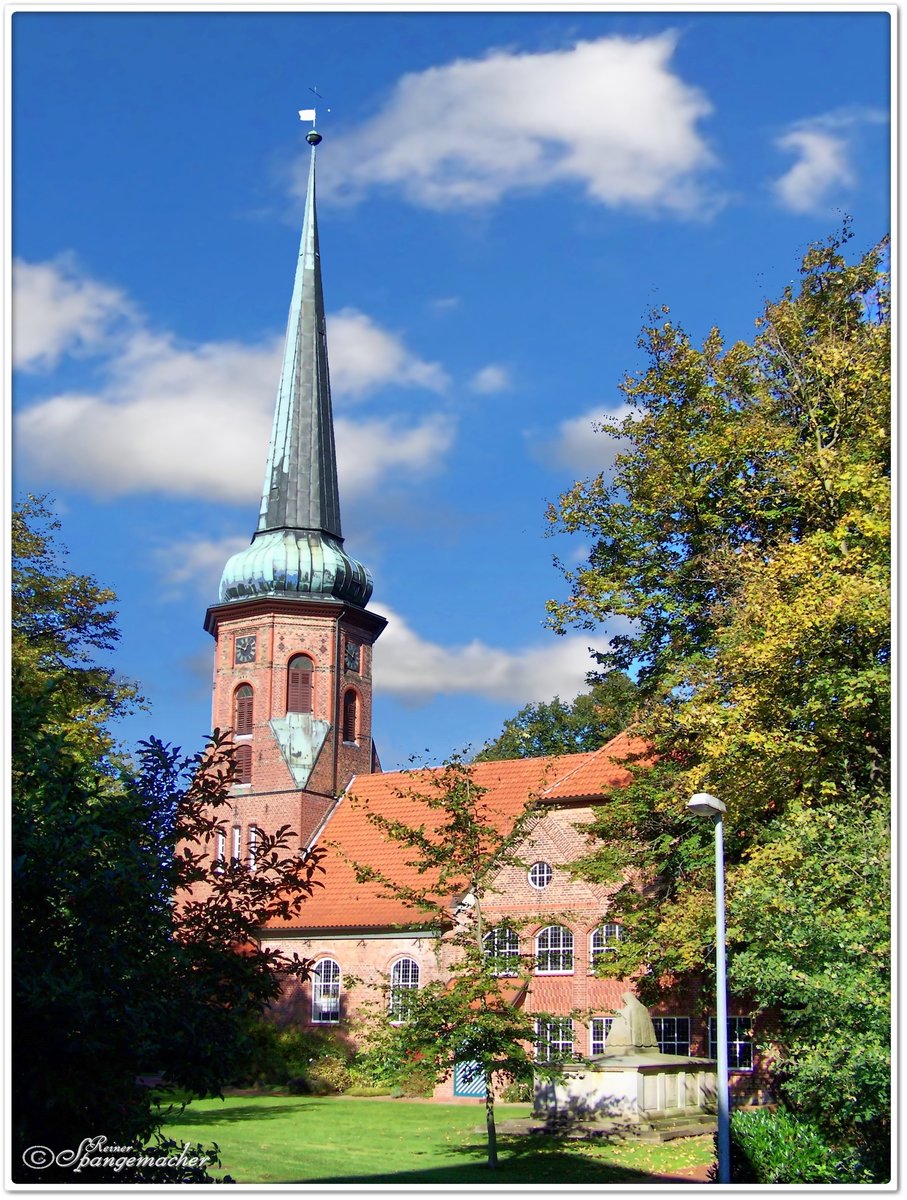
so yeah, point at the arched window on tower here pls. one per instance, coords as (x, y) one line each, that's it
(350, 712)
(242, 710)
(300, 670)
(243, 764)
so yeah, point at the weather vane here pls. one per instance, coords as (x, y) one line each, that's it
(313, 137)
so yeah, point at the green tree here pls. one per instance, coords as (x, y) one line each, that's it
(134, 954)
(457, 842)
(745, 535)
(554, 727)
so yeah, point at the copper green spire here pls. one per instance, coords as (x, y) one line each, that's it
(300, 487)
(297, 550)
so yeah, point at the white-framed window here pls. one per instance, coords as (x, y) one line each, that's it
(540, 874)
(553, 1039)
(236, 843)
(598, 1033)
(220, 848)
(604, 940)
(404, 981)
(554, 951)
(253, 847)
(672, 1034)
(326, 992)
(503, 946)
(739, 1042)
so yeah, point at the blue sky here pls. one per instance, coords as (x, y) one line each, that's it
(502, 197)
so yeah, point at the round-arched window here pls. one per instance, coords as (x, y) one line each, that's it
(300, 671)
(404, 982)
(554, 950)
(243, 709)
(326, 992)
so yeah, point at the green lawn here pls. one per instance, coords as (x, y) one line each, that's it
(301, 1139)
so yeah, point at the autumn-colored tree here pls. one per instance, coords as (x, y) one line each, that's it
(744, 537)
(554, 727)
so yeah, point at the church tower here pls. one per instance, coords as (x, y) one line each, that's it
(293, 636)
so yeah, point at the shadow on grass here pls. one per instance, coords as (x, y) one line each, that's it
(550, 1169)
(231, 1114)
(526, 1159)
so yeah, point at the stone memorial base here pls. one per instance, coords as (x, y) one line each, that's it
(632, 1088)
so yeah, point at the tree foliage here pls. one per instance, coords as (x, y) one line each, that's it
(456, 841)
(134, 953)
(745, 538)
(554, 727)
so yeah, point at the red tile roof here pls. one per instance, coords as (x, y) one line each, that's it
(345, 903)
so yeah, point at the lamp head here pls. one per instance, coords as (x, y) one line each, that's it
(704, 805)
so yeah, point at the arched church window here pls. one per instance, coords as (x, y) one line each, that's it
(243, 764)
(350, 707)
(554, 950)
(300, 671)
(404, 982)
(326, 992)
(242, 710)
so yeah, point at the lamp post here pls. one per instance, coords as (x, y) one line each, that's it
(704, 805)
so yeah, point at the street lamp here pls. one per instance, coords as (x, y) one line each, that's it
(704, 805)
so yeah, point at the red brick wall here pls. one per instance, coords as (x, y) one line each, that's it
(273, 797)
(556, 838)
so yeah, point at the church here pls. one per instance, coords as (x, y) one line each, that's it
(293, 638)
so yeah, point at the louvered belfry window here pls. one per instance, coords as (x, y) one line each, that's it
(299, 684)
(242, 717)
(243, 764)
(349, 716)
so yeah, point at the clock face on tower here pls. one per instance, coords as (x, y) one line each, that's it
(244, 649)
(352, 655)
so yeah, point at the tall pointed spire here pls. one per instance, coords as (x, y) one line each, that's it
(297, 550)
(300, 487)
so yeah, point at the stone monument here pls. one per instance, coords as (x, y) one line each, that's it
(631, 1083)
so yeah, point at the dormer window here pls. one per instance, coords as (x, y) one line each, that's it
(300, 672)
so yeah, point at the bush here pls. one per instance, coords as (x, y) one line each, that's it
(775, 1146)
(330, 1073)
(307, 1062)
(517, 1092)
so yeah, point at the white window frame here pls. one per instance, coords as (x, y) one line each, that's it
(542, 870)
(502, 943)
(405, 977)
(604, 939)
(220, 848)
(253, 847)
(554, 1039)
(672, 1035)
(326, 992)
(739, 1042)
(599, 1028)
(237, 843)
(563, 950)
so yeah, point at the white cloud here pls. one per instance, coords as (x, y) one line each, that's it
(198, 562)
(408, 666)
(582, 445)
(822, 166)
(365, 357)
(825, 147)
(58, 311)
(490, 379)
(184, 419)
(609, 115)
